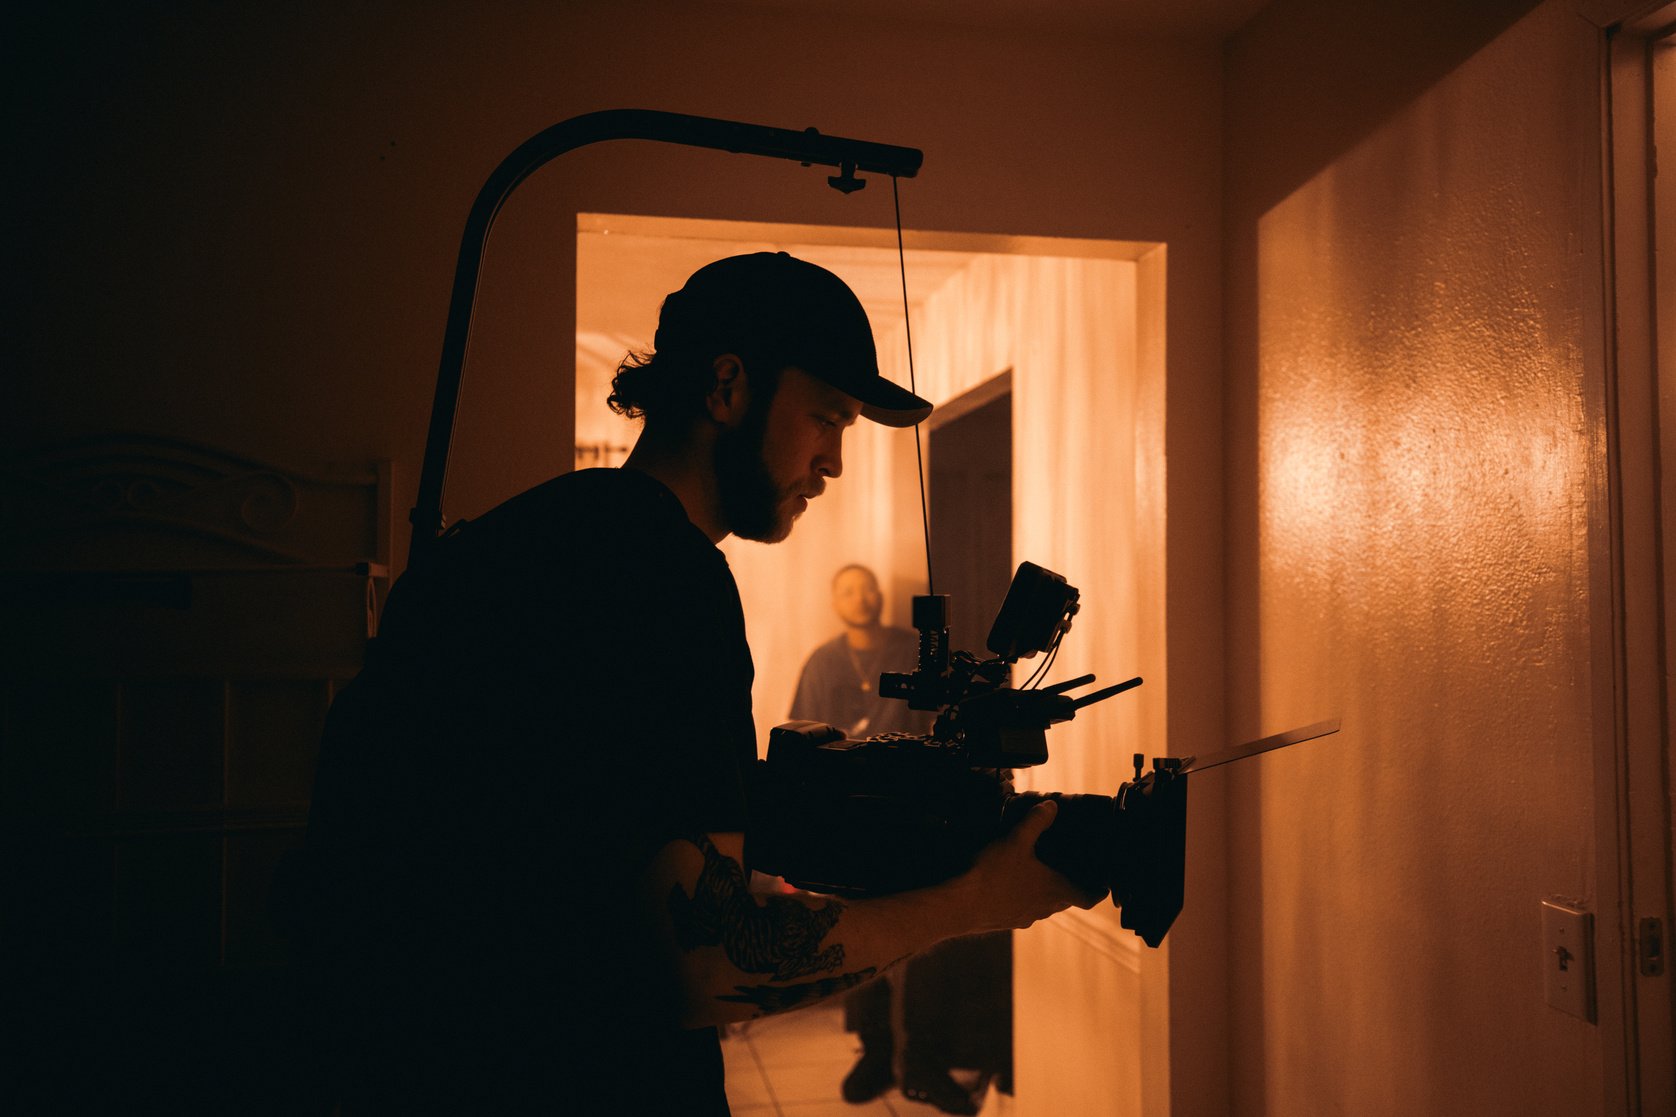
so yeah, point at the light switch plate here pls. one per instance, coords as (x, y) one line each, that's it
(1568, 958)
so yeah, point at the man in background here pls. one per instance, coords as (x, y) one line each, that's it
(840, 682)
(956, 1000)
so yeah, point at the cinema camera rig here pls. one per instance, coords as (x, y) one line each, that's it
(889, 813)
(896, 812)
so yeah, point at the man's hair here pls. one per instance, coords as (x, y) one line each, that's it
(647, 384)
(669, 390)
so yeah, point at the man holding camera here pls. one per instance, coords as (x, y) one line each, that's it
(525, 888)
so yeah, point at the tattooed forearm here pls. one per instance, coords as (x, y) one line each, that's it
(780, 937)
(778, 998)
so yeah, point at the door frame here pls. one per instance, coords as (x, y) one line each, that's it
(1633, 776)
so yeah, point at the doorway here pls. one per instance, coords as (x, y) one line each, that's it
(1634, 805)
(1079, 325)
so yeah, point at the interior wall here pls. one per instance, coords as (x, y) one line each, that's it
(1416, 513)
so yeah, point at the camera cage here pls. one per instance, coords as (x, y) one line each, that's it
(890, 813)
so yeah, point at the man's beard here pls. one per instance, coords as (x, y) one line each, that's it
(752, 506)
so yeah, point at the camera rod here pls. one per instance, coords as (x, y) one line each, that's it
(1102, 695)
(807, 147)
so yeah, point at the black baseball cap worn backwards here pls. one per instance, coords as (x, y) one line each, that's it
(773, 306)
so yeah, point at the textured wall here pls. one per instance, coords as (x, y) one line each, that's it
(1416, 429)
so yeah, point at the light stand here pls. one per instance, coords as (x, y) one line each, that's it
(807, 147)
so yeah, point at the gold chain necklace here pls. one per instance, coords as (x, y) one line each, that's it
(855, 662)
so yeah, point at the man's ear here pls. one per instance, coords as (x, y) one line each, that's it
(730, 392)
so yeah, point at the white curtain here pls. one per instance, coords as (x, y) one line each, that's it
(1066, 329)
(1084, 386)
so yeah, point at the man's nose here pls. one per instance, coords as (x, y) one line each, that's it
(831, 461)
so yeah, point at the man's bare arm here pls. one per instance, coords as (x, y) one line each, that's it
(737, 955)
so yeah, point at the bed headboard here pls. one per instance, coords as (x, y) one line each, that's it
(177, 621)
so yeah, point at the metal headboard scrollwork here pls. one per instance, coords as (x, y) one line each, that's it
(141, 517)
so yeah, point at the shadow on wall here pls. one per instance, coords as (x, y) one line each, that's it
(1357, 66)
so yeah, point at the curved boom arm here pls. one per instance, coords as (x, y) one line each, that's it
(806, 147)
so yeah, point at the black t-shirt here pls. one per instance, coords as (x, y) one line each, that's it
(557, 692)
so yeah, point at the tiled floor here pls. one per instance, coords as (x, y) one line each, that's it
(791, 1065)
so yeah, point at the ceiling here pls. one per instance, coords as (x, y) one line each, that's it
(623, 278)
(1209, 18)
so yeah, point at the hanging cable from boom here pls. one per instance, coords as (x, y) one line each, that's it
(913, 386)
